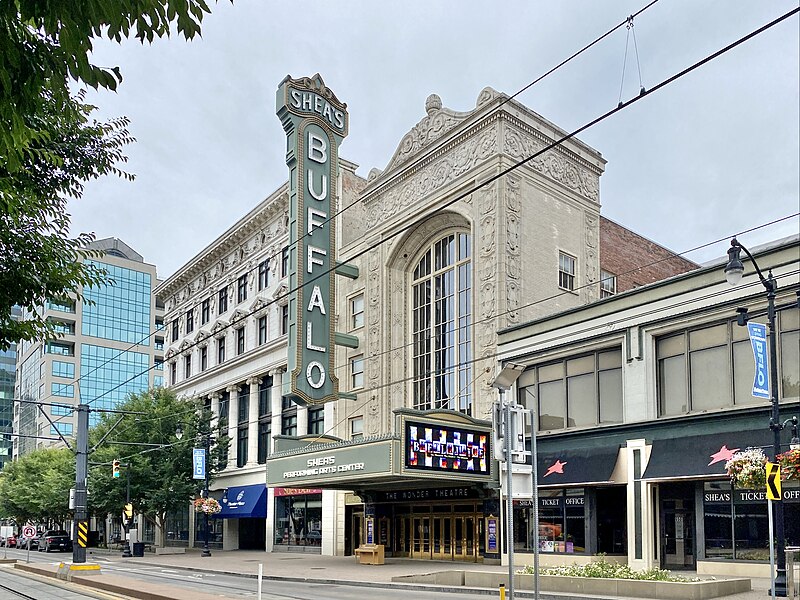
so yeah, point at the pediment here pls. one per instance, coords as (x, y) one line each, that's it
(238, 315)
(201, 335)
(169, 353)
(218, 326)
(184, 345)
(438, 122)
(259, 304)
(281, 295)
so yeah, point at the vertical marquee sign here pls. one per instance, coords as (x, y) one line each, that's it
(315, 123)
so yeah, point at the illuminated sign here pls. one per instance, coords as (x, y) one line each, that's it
(442, 447)
(315, 123)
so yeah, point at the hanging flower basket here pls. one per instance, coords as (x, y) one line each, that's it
(790, 464)
(747, 469)
(207, 506)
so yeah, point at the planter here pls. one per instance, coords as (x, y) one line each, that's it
(630, 588)
(790, 465)
(747, 469)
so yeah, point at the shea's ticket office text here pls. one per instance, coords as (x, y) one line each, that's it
(428, 490)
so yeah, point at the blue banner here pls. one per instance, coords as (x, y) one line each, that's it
(199, 463)
(758, 338)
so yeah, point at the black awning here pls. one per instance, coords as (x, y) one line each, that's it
(700, 455)
(573, 466)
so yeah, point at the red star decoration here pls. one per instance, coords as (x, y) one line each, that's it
(556, 467)
(723, 455)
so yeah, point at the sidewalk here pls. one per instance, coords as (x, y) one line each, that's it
(338, 569)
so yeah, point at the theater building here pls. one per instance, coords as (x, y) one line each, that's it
(436, 252)
(641, 399)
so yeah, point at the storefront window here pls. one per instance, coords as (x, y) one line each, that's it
(736, 521)
(177, 530)
(562, 518)
(214, 532)
(298, 520)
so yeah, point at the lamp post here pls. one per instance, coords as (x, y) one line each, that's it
(207, 444)
(503, 382)
(733, 273)
(126, 550)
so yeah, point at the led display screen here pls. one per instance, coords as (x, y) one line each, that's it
(441, 447)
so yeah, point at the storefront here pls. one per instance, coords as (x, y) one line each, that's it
(424, 493)
(246, 508)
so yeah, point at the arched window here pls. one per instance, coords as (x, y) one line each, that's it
(441, 321)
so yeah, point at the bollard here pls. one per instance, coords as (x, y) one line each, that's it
(502, 591)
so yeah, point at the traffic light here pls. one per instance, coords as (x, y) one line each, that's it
(129, 510)
(115, 468)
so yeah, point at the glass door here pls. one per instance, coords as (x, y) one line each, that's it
(677, 540)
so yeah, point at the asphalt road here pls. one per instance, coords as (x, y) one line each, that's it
(15, 586)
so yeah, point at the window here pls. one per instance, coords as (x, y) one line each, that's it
(158, 364)
(187, 367)
(220, 350)
(566, 271)
(262, 330)
(316, 421)
(357, 372)
(63, 369)
(175, 330)
(189, 321)
(205, 311)
(241, 446)
(442, 326)
(284, 319)
(158, 344)
(562, 522)
(789, 348)
(608, 284)
(222, 300)
(264, 435)
(356, 428)
(240, 340)
(159, 323)
(244, 404)
(120, 311)
(158, 381)
(64, 349)
(285, 261)
(263, 275)
(173, 372)
(265, 397)
(67, 305)
(357, 311)
(712, 367)
(64, 428)
(583, 391)
(203, 358)
(63, 327)
(60, 410)
(289, 425)
(63, 390)
(241, 288)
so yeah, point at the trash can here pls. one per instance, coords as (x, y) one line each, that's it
(138, 549)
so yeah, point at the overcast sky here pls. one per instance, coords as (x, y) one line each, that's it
(715, 153)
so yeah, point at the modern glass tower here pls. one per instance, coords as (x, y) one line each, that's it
(108, 346)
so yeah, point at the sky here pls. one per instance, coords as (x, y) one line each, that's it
(713, 154)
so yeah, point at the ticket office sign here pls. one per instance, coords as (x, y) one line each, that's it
(315, 123)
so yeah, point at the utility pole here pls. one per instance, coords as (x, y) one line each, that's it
(81, 471)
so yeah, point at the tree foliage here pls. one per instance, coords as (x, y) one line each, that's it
(160, 474)
(49, 146)
(36, 487)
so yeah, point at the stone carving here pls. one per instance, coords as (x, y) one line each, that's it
(513, 258)
(592, 260)
(432, 177)
(553, 163)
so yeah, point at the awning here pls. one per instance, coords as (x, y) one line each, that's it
(246, 501)
(700, 455)
(581, 465)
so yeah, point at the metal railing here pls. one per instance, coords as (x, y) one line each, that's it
(792, 572)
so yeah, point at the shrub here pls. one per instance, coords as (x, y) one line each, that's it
(607, 570)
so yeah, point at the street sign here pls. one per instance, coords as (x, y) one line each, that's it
(28, 531)
(773, 482)
(199, 463)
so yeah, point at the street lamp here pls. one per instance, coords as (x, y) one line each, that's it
(733, 273)
(179, 434)
(503, 382)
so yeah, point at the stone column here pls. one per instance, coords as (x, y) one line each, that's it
(214, 396)
(277, 400)
(302, 420)
(252, 422)
(233, 423)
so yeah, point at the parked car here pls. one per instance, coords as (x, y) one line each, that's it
(55, 539)
(22, 542)
(10, 541)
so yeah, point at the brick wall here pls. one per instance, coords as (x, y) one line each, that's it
(634, 259)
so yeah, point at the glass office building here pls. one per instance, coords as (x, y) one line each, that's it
(108, 346)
